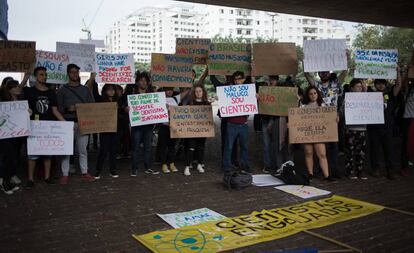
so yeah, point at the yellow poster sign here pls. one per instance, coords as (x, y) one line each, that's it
(245, 230)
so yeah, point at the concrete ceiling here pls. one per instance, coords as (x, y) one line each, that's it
(398, 13)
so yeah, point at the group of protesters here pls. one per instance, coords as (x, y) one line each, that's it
(48, 103)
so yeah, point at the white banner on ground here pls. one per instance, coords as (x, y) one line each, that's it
(303, 191)
(183, 219)
(324, 55)
(14, 119)
(364, 108)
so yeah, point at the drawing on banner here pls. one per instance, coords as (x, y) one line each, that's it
(14, 119)
(191, 121)
(274, 59)
(324, 55)
(376, 63)
(171, 70)
(276, 101)
(148, 108)
(50, 138)
(82, 55)
(196, 48)
(97, 117)
(115, 68)
(364, 108)
(237, 100)
(55, 65)
(226, 58)
(178, 220)
(17, 56)
(303, 191)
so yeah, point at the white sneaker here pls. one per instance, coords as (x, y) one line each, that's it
(200, 168)
(187, 171)
(15, 180)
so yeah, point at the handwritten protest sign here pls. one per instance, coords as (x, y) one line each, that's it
(313, 125)
(171, 70)
(276, 101)
(97, 117)
(149, 108)
(364, 108)
(274, 59)
(197, 216)
(115, 68)
(17, 56)
(196, 48)
(227, 58)
(82, 55)
(303, 191)
(325, 55)
(50, 138)
(55, 64)
(376, 63)
(237, 100)
(14, 119)
(191, 121)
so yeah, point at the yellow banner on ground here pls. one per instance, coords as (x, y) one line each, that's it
(267, 225)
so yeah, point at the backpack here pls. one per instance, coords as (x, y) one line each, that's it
(290, 175)
(237, 180)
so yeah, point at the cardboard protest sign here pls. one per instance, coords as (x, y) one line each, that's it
(276, 101)
(97, 117)
(197, 216)
(376, 63)
(237, 100)
(303, 191)
(17, 56)
(148, 108)
(55, 64)
(196, 48)
(14, 119)
(191, 121)
(313, 125)
(115, 68)
(227, 58)
(171, 70)
(364, 108)
(50, 138)
(82, 55)
(325, 55)
(274, 59)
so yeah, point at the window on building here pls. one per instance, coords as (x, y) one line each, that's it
(248, 32)
(239, 31)
(258, 22)
(221, 11)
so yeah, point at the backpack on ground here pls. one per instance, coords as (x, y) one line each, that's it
(290, 175)
(237, 180)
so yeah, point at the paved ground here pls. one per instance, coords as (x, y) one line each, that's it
(101, 216)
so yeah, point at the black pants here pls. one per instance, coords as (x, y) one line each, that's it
(9, 157)
(107, 148)
(380, 140)
(196, 150)
(223, 128)
(404, 150)
(167, 145)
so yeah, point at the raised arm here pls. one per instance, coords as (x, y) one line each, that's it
(344, 73)
(203, 76)
(397, 87)
(308, 76)
(24, 80)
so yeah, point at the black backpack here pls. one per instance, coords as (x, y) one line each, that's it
(290, 175)
(237, 180)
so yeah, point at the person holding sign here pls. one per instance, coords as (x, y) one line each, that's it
(68, 96)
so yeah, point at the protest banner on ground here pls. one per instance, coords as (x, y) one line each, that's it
(376, 63)
(191, 121)
(324, 55)
(196, 48)
(364, 108)
(274, 59)
(276, 101)
(55, 64)
(115, 68)
(148, 108)
(82, 55)
(194, 217)
(50, 138)
(171, 70)
(257, 227)
(14, 119)
(237, 100)
(227, 58)
(97, 117)
(303, 191)
(313, 125)
(17, 56)
(266, 180)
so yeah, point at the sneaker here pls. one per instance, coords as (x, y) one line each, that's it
(173, 168)
(330, 179)
(4, 186)
(310, 177)
(30, 184)
(97, 175)
(15, 180)
(64, 180)
(88, 178)
(165, 169)
(199, 168)
(49, 181)
(14, 187)
(187, 171)
(152, 172)
(133, 173)
(353, 177)
(113, 174)
(266, 170)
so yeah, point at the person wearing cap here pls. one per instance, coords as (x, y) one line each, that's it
(68, 96)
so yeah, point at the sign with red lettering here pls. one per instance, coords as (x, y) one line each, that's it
(14, 119)
(17, 56)
(196, 48)
(237, 100)
(55, 64)
(50, 138)
(148, 108)
(276, 101)
(115, 68)
(97, 117)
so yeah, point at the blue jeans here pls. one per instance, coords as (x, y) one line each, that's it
(235, 131)
(141, 134)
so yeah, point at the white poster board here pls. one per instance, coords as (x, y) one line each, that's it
(376, 63)
(50, 138)
(115, 68)
(148, 108)
(303, 191)
(55, 63)
(324, 55)
(266, 180)
(237, 100)
(194, 217)
(14, 119)
(82, 55)
(364, 108)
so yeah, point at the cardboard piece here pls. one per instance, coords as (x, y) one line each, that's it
(191, 121)
(97, 117)
(364, 108)
(266, 180)
(237, 100)
(196, 48)
(115, 68)
(325, 55)
(17, 56)
(276, 101)
(303, 191)
(171, 70)
(82, 55)
(149, 108)
(274, 59)
(227, 58)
